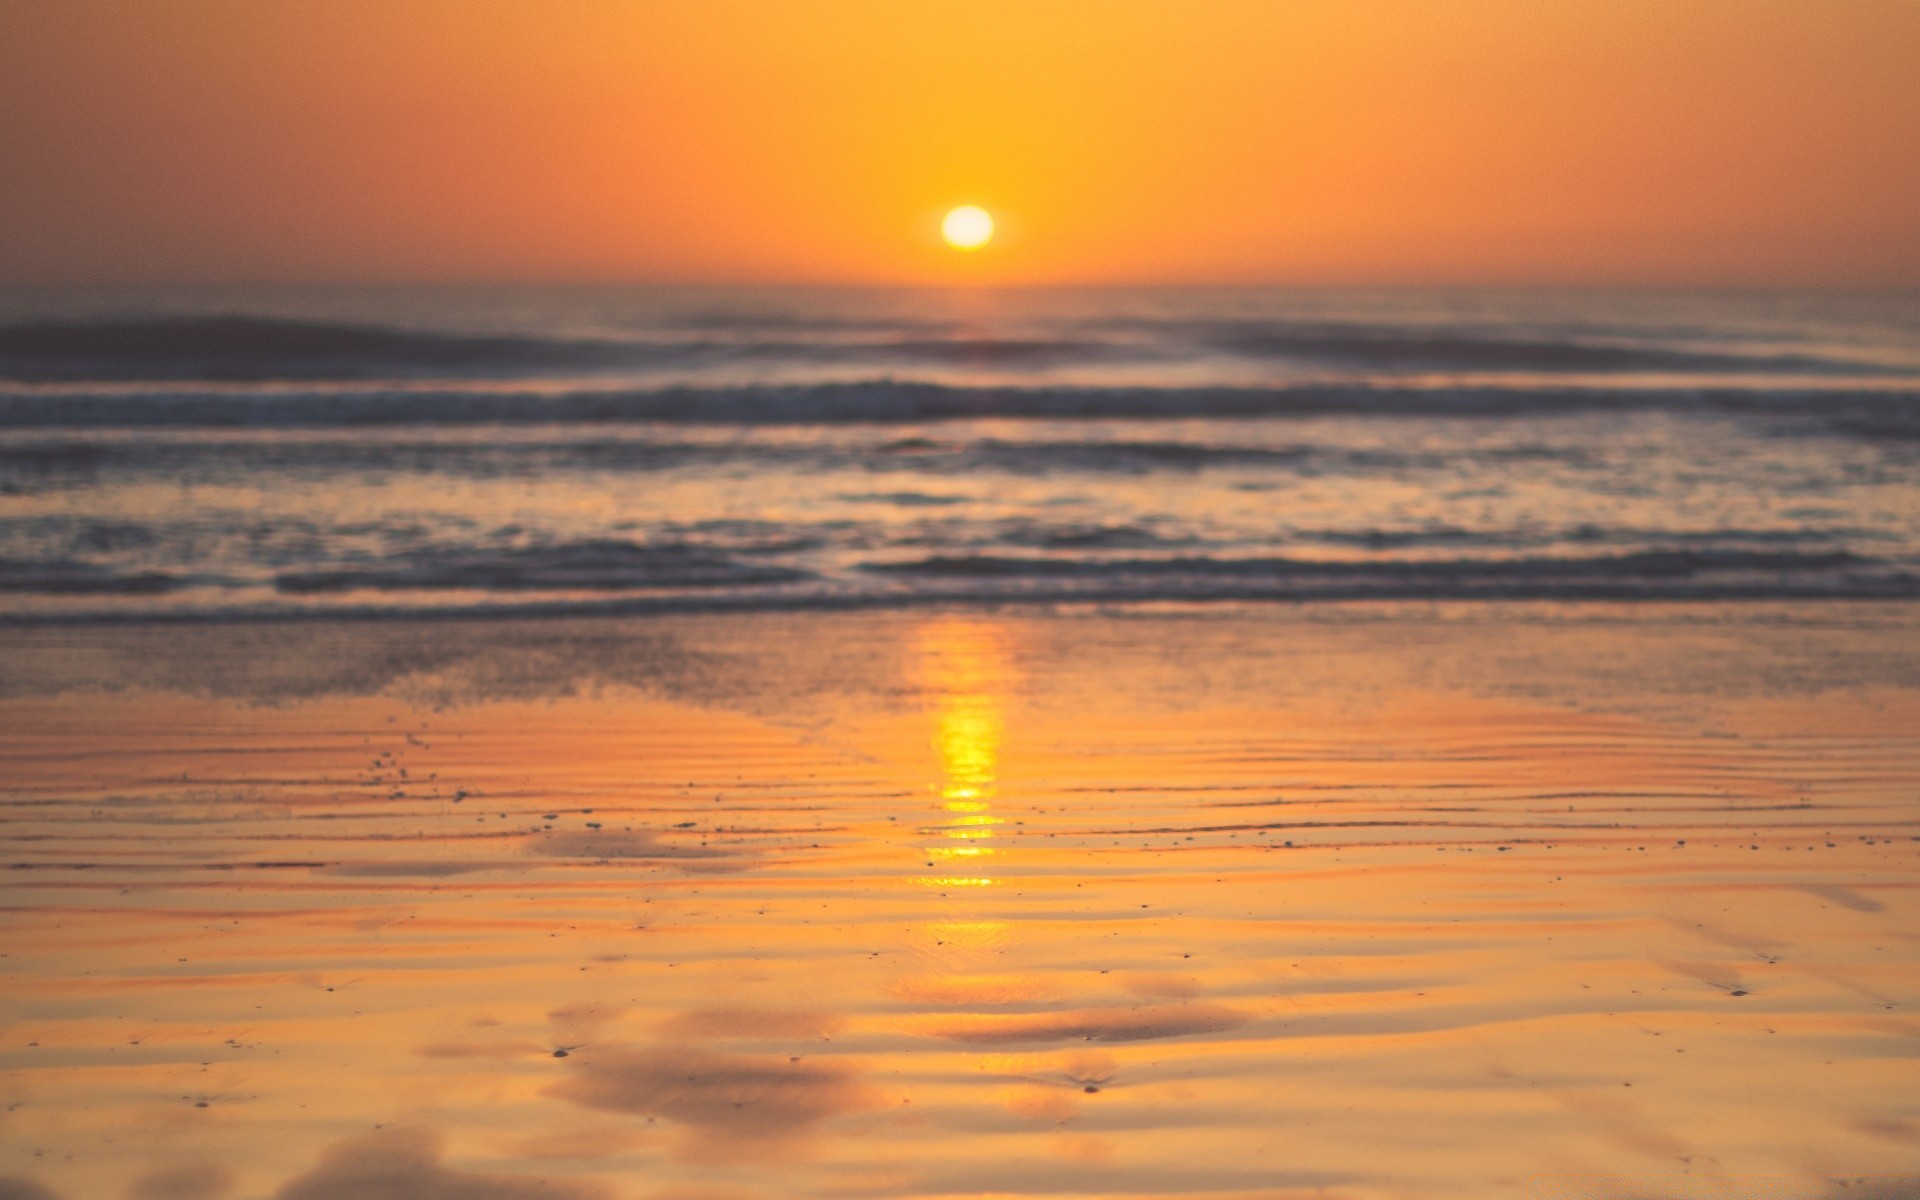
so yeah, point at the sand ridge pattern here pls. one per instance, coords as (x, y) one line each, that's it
(1357, 903)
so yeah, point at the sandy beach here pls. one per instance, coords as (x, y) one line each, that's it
(1435, 900)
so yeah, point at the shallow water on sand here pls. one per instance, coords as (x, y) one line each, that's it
(1356, 901)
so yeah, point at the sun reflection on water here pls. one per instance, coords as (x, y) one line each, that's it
(964, 668)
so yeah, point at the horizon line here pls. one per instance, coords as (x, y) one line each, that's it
(586, 283)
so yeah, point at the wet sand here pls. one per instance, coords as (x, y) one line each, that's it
(1342, 901)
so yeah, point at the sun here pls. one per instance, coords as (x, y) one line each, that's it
(968, 227)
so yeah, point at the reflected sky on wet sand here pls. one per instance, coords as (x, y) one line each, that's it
(1423, 901)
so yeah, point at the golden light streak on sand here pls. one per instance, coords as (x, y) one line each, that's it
(964, 667)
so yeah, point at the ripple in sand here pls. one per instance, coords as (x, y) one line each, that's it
(1087, 1024)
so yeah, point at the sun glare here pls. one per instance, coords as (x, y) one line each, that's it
(968, 227)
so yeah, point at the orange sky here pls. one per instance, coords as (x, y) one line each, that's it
(1669, 141)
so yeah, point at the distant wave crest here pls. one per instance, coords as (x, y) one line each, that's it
(1863, 412)
(239, 348)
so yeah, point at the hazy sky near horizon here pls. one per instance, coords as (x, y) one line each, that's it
(1287, 141)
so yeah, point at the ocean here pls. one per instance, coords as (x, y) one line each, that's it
(269, 452)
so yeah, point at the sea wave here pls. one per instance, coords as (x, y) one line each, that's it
(1871, 412)
(614, 580)
(600, 565)
(62, 577)
(1652, 574)
(254, 348)
(1416, 350)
